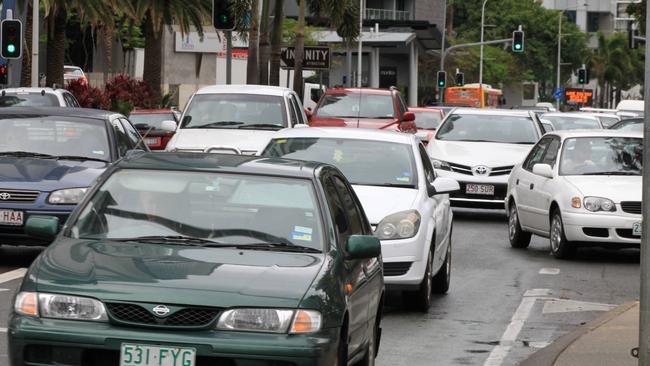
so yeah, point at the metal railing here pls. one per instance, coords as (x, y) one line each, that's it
(387, 14)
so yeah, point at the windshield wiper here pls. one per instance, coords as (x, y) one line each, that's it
(218, 124)
(276, 246)
(175, 239)
(613, 173)
(75, 157)
(260, 125)
(25, 154)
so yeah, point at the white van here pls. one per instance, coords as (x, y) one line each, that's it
(312, 95)
(633, 106)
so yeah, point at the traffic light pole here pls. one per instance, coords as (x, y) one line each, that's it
(443, 56)
(35, 42)
(228, 57)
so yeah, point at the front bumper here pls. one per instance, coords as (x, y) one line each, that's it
(404, 261)
(45, 342)
(15, 235)
(464, 199)
(601, 228)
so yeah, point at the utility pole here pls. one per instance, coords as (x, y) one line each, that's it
(441, 98)
(359, 72)
(480, 70)
(35, 42)
(559, 58)
(228, 57)
(644, 319)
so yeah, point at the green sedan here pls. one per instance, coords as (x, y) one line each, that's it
(204, 259)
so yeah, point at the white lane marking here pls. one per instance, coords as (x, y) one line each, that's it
(549, 271)
(555, 306)
(12, 275)
(539, 344)
(500, 352)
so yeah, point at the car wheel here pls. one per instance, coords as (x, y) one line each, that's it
(518, 237)
(443, 277)
(342, 352)
(371, 348)
(560, 246)
(421, 299)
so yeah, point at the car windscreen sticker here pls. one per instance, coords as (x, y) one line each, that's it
(280, 141)
(403, 179)
(98, 152)
(302, 233)
(215, 187)
(338, 155)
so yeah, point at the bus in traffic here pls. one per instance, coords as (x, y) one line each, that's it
(474, 95)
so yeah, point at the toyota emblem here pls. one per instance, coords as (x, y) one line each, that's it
(4, 196)
(481, 170)
(161, 310)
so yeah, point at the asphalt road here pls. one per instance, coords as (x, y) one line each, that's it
(499, 310)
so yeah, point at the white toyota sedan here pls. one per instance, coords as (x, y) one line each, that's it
(578, 188)
(406, 203)
(478, 148)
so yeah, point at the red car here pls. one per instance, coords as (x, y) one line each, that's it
(427, 121)
(363, 108)
(148, 123)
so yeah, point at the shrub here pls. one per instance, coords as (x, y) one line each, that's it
(126, 93)
(88, 96)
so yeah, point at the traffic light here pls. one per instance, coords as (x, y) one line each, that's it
(518, 41)
(4, 74)
(583, 76)
(460, 79)
(442, 79)
(12, 38)
(221, 17)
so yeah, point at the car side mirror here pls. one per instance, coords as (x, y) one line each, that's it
(362, 247)
(548, 127)
(408, 117)
(422, 136)
(444, 185)
(44, 227)
(544, 170)
(169, 126)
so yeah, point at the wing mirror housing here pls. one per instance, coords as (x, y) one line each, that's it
(408, 117)
(443, 185)
(544, 170)
(168, 126)
(362, 247)
(44, 227)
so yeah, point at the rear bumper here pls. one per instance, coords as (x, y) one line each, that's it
(48, 342)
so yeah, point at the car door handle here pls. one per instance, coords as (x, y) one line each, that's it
(517, 182)
(532, 186)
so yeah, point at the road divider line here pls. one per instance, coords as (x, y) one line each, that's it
(500, 352)
(12, 275)
(549, 271)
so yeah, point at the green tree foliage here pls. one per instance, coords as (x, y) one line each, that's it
(638, 11)
(537, 63)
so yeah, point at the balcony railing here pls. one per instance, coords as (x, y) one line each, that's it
(387, 14)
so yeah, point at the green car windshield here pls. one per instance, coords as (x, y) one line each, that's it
(228, 209)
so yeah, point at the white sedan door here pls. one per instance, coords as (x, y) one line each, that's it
(525, 181)
(542, 189)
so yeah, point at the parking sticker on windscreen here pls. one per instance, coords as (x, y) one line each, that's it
(302, 233)
(338, 155)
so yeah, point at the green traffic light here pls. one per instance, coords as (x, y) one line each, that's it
(11, 48)
(518, 46)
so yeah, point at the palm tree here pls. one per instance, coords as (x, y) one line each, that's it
(299, 49)
(26, 69)
(276, 43)
(265, 47)
(157, 14)
(252, 67)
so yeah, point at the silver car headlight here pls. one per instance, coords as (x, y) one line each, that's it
(270, 320)
(440, 164)
(59, 306)
(401, 225)
(595, 204)
(70, 196)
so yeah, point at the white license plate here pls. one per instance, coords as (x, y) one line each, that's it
(152, 140)
(145, 355)
(636, 229)
(12, 218)
(482, 189)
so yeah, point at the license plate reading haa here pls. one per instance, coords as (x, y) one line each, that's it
(482, 189)
(12, 218)
(145, 355)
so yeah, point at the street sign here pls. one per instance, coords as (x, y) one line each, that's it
(579, 96)
(316, 58)
(558, 94)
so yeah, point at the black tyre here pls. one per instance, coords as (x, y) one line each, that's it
(371, 347)
(517, 236)
(442, 279)
(342, 353)
(421, 299)
(560, 247)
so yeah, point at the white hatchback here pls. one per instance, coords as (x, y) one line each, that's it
(407, 205)
(479, 148)
(236, 119)
(578, 188)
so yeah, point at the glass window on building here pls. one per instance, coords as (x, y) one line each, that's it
(593, 21)
(570, 15)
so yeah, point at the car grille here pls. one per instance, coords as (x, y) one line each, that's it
(633, 207)
(134, 314)
(627, 233)
(467, 170)
(18, 196)
(397, 268)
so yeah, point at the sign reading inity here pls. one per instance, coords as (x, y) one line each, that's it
(316, 58)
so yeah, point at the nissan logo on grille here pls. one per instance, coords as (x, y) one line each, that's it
(4, 196)
(481, 170)
(161, 310)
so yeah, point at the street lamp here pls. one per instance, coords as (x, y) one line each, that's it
(360, 43)
(35, 42)
(480, 71)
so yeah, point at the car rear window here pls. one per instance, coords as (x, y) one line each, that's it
(488, 128)
(29, 100)
(356, 106)
(155, 120)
